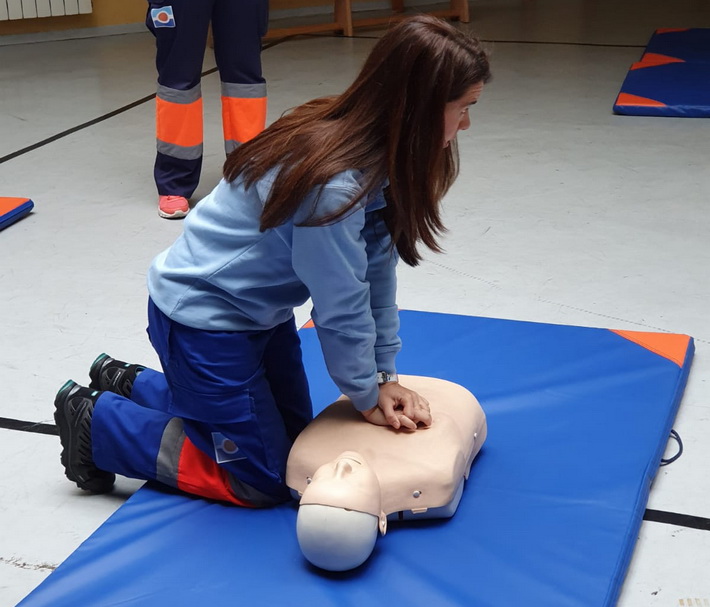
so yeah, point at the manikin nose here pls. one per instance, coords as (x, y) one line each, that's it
(343, 468)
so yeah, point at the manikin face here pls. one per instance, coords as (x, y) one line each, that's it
(346, 482)
(456, 113)
(348, 468)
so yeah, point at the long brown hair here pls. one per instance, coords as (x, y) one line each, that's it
(389, 124)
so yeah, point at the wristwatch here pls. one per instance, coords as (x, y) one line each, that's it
(384, 378)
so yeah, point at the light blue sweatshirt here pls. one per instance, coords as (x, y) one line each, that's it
(223, 274)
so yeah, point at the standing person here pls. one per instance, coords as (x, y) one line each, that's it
(180, 28)
(321, 204)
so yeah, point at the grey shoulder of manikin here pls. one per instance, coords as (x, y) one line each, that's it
(351, 181)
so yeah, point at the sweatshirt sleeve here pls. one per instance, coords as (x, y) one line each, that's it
(349, 271)
(381, 276)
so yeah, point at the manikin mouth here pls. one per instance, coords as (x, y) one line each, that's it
(352, 456)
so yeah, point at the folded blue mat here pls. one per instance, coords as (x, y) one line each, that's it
(687, 44)
(674, 89)
(578, 420)
(671, 79)
(13, 209)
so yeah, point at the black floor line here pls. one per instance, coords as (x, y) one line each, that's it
(18, 424)
(116, 112)
(679, 520)
(266, 46)
(594, 44)
(489, 41)
(79, 127)
(655, 516)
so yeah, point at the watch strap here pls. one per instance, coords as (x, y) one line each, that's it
(383, 377)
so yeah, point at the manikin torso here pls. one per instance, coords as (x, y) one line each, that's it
(341, 465)
(417, 470)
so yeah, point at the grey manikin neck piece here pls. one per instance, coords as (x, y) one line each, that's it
(416, 470)
(334, 538)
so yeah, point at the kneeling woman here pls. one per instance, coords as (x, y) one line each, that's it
(322, 204)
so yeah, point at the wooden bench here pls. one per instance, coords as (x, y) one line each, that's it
(345, 24)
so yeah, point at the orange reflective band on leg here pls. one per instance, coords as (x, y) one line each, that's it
(200, 475)
(243, 118)
(179, 123)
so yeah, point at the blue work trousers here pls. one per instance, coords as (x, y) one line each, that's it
(241, 398)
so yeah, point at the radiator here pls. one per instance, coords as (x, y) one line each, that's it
(30, 9)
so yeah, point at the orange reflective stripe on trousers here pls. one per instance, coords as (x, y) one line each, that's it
(243, 112)
(179, 129)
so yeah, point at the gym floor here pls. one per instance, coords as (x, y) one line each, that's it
(563, 213)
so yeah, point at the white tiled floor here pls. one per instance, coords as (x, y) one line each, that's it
(564, 213)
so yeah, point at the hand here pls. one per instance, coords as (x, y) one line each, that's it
(399, 407)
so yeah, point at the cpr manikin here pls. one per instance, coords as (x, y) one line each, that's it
(352, 476)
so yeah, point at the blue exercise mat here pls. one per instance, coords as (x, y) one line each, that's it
(13, 209)
(691, 44)
(578, 419)
(674, 89)
(672, 78)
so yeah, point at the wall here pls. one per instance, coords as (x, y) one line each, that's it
(105, 13)
(121, 12)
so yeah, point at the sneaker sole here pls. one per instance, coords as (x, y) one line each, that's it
(62, 420)
(173, 215)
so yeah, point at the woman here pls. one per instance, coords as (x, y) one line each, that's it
(321, 205)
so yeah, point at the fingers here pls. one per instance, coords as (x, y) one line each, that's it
(406, 409)
(411, 422)
(409, 404)
(395, 417)
(416, 409)
(407, 422)
(423, 415)
(399, 407)
(392, 417)
(381, 416)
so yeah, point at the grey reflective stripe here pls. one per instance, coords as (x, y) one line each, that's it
(244, 91)
(230, 145)
(166, 466)
(178, 96)
(178, 151)
(247, 493)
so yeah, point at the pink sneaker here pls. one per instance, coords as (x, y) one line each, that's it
(173, 207)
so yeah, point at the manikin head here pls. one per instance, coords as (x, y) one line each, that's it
(340, 514)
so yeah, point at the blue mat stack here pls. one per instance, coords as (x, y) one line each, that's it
(672, 78)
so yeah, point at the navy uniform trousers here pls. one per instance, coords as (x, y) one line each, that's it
(180, 28)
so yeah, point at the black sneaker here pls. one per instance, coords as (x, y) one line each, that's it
(113, 375)
(74, 407)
